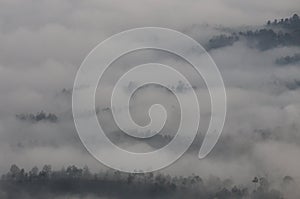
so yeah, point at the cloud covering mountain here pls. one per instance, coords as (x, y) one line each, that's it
(43, 43)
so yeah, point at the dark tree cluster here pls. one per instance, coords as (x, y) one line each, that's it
(288, 60)
(278, 33)
(284, 32)
(293, 85)
(292, 23)
(46, 183)
(221, 41)
(41, 116)
(265, 39)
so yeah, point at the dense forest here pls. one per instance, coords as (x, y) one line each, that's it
(283, 32)
(82, 183)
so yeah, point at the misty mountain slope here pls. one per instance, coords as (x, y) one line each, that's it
(42, 45)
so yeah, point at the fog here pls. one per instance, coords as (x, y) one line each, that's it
(43, 43)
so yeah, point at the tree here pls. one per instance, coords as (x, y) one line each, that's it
(255, 181)
(46, 171)
(33, 173)
(14, 171)
(40, 116)
(263, 184)
(287, 181)
(74, 172)
(295, 17)
(86, 172)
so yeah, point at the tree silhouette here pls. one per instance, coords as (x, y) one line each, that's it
(114, 184)
(255, 181)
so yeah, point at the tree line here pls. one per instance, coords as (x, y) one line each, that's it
(18, 183)
(40, 116)
(284, 32)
